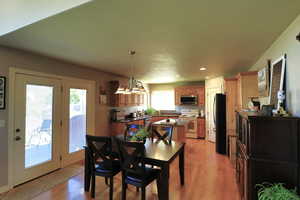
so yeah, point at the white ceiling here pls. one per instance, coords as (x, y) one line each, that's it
(173, 38)
(15, 14)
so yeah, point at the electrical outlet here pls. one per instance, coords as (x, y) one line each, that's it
(2, 123)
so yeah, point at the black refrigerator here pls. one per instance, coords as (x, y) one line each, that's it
(220, 122)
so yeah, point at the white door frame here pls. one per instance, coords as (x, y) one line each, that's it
(11, 88)
(69, 158)
(208, 90)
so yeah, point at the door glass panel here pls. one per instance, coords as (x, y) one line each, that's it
(38, 129)
(77, 119)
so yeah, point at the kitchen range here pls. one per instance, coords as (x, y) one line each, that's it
(191, 115)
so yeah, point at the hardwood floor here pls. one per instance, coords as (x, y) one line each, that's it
(208, 176)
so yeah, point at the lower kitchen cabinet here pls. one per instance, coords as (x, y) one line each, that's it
(201, 128)
(118, 128)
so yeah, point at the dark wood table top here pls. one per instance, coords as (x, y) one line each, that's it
(160, 151)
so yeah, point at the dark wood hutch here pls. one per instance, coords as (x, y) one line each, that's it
(267, 151)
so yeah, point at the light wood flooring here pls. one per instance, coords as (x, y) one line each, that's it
(208, 176)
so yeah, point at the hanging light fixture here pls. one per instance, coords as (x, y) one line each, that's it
(134, 86)
(120, 90)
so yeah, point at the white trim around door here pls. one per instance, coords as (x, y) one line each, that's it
(11, 128)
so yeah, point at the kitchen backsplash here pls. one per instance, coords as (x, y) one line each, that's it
(127, 110)
(179, 108)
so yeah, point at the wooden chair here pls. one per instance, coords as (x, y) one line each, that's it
(134, 171)
(102, 161)
(165, 133)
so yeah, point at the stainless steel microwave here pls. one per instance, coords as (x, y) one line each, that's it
(188, 100)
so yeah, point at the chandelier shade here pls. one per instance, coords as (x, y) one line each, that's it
(134, 86)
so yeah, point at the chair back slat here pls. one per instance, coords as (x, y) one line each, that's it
(165, 132)
(131, 156)
(99, 148)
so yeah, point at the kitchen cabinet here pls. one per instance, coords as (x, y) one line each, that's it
(201, 128)
(118, 128)
(231, 103)
(247, 86)
(267, 151)
(238, 91)
(192, 90)
(122, 100)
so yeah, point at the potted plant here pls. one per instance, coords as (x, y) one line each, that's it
(275, 191)
(150, 111)
(140, 136)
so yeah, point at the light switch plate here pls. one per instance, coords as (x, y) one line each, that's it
(2, 123)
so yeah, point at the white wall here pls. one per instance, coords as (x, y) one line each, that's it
(287, 44)
(15, 14)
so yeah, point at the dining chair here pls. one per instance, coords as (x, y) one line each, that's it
(148, 126)
(102, 161)
(134, 171)
(163, 132)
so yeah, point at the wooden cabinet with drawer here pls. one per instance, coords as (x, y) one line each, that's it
(267, 151)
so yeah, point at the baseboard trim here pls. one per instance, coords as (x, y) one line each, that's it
(4, 189)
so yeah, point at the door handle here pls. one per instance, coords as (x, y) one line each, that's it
(17, 138)
(18, 130)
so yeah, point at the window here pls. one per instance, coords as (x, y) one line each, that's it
(163, 100)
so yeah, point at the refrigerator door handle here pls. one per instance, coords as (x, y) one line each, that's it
(214, 111)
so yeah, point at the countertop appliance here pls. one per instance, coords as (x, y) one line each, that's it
(220, 122)
(117, 115)
(188, 100)
(191, 115)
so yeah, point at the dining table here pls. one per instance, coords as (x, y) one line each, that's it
(157, 153)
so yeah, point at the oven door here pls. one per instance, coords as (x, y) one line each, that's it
(191, 128)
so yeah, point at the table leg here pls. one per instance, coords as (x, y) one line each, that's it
(164, 182)
(181, 166)
(87, 175)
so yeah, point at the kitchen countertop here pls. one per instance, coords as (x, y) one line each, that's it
(149, 117)
(166, 115)
(133, 119)
(201, 117)
(174, 122)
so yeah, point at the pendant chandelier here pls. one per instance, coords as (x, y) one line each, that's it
(134, 86)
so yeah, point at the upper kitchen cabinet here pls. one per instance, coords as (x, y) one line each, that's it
(239, 91)
(247, 87)
(194, 95)
(121, 100)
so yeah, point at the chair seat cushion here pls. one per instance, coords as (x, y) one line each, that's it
(149, 175)
(108, 167)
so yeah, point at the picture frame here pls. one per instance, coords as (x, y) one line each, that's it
(2, 92)
(278, 68)
(263, 78)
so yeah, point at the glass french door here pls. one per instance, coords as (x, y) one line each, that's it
(78, 119)
(37, 126)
